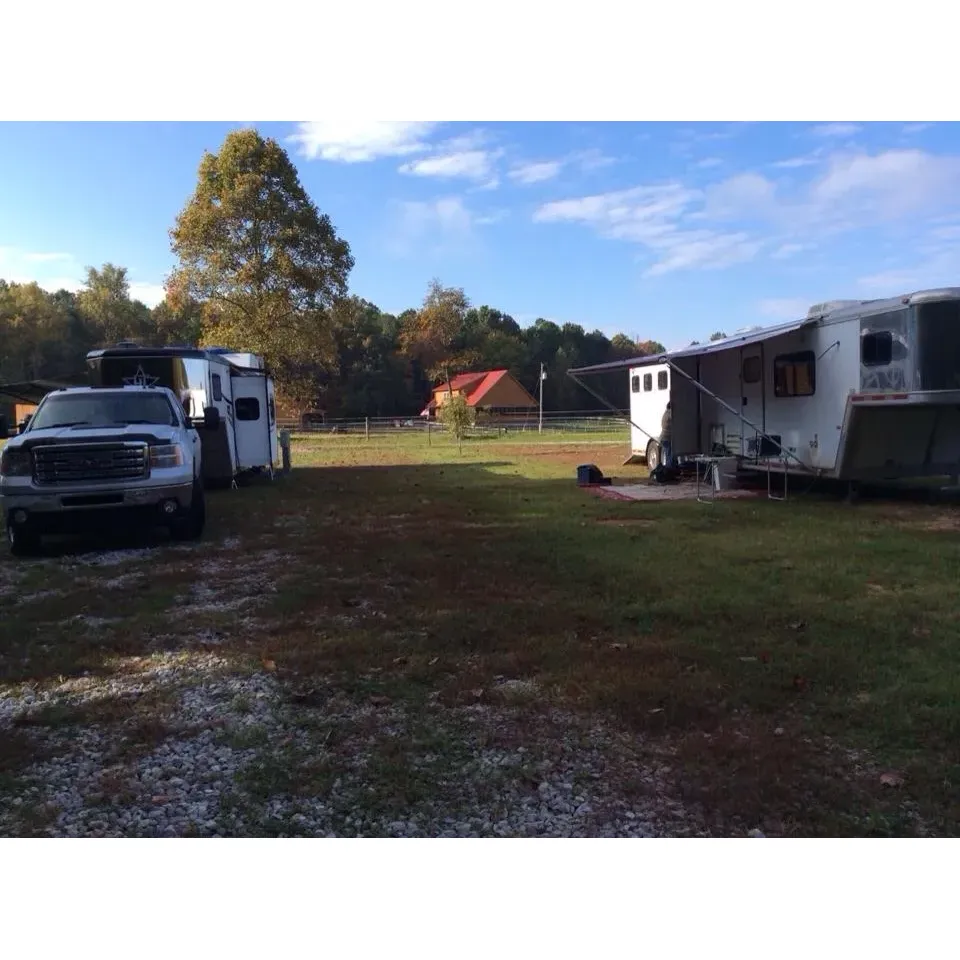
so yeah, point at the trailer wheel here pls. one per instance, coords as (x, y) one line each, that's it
(190, 526)
(23, 541)
(653, 455)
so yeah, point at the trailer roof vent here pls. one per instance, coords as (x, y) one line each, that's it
(129, 344)
(828, 306)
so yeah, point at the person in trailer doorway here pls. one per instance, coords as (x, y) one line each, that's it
(666, 437)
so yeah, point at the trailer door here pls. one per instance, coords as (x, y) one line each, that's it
(251, 422)
(752, 398)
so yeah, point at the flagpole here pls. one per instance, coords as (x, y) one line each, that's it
(543, 377)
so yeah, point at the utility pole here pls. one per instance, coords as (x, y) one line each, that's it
(543, 376)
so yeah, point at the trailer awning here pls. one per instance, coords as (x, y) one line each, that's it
(701, 349)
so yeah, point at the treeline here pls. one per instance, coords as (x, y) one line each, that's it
(372, 371)
(261, 269)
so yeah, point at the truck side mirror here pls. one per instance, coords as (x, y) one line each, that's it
(4, 429)
(211, 418)
(25, 422)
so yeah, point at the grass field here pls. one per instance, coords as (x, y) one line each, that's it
(789, 667)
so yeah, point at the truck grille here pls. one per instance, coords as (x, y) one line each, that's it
(90, 462)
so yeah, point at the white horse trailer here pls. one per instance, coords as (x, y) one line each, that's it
(235, 385)
(649, 396)
(858, 390)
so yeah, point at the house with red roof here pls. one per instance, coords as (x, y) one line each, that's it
(495, 392)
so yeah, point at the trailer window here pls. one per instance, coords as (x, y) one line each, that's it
(247, 408)
(647, 382)
(662, 380)
(876, 349)
(795, 374)
(752, 370)
(635, 383)
(217, 387)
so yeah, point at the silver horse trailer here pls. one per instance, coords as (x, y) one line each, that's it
(858, 390)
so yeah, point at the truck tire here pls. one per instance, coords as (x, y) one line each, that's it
(190, 525)
(23, 541)
(653, 455)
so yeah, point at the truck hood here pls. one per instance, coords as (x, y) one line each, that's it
(145, 432)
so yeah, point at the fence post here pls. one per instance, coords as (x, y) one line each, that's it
(366, 427)
(428, 433)
(285, 449)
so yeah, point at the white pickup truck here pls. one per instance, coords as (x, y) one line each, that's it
(92, 455)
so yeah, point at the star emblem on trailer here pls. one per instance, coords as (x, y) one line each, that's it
(140, 379)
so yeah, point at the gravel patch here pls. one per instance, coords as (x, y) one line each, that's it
(110, 558)
(226, 753)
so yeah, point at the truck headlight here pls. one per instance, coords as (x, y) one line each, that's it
(166, 455)
(15, 463)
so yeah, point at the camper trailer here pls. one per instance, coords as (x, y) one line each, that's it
(857, 390)
(235, 384)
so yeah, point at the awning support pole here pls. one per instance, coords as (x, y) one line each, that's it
(607, 404)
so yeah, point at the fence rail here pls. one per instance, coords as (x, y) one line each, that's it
(573, 422)
(412, 433)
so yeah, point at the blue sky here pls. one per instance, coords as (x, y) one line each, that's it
(669, 231)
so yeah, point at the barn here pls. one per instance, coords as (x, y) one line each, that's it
(496, 393)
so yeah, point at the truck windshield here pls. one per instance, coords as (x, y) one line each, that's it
(103, 410)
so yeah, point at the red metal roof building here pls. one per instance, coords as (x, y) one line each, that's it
(496, 391)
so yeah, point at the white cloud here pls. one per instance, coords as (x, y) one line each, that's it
(536, 172)
(912, 128)
(148, 293)
(787, 250)
(61, 271)
(732, 220)
(437, 226)
(785, 308)
(447, 213)
(539, 171)
(939, 269)
(745, 193)
(708, 163)
(650, 216)
(835, 129)
(794, 163)
(464, 157)
(707, 251)
(468, 164)
(361, 141)
(592, 159)
(888, 185)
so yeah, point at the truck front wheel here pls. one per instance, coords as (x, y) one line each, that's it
(190, 525)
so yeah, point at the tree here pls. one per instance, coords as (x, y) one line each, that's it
(433, 336)
(717, 336)
(623, 346)
(457, 416)
(106, 303)
(268, 266)
(182, 324)
(650, 348)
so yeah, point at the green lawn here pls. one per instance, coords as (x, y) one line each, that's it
(787, 655)
(797, 650)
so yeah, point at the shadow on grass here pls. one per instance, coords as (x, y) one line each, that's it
(746, 632)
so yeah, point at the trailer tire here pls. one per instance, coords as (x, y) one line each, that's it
(190, 526)
(653, 455)
(23, 541)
